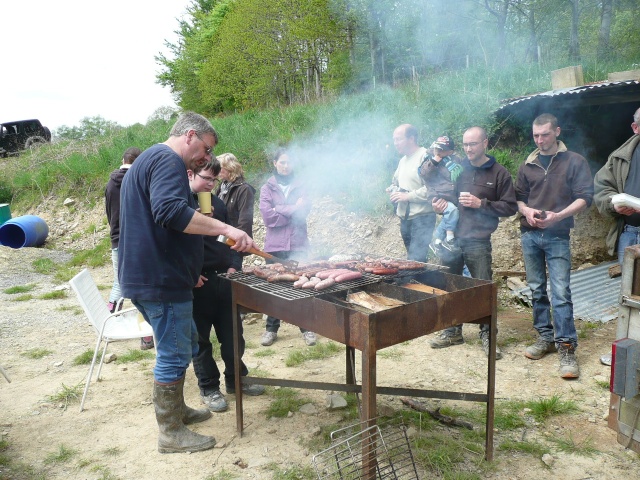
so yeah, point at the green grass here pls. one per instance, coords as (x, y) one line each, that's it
(222, 475)
(393, 353)
(54, 295)
(285, 400)
(545, 408)
(19, 289)
(112, 451)
(584, 448)
(45, 266)
(291, 472)
(23, 298)
(317, 352)
(67, 395)
(534, 449)
(63, 455)
(133, 355)
(603, 384)
(36, 353)
(84, 358)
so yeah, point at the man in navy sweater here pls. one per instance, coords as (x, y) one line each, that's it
(159, 259)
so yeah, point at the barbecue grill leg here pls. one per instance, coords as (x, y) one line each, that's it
(236, 361)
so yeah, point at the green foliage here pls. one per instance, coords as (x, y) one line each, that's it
(285, 400)
(222, 475)
(317, 352)
(265, 352)
(22, 298)
(36, 353)
(532, 448)
(570, 445)
(292, 472)
(19, 289)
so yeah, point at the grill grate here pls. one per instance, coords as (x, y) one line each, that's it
(389, 445)
(286, 291)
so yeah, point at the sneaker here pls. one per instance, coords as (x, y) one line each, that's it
(111, 306)
(447, 339)
(435, 246)
(568, 363)
(146, 343)
(251, 390)
(215, 401)
(485, 346)
(451, 246)
(309, 338)
(539, 349)
(268, 338)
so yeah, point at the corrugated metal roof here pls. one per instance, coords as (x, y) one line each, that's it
(594, 294)
(572, 91)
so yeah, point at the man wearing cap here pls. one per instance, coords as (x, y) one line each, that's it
(485, 193)
(439, 172)
(552, 186)
(408, 192)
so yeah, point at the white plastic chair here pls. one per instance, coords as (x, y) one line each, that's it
(123, 325)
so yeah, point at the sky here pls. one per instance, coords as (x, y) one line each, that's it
(65, 60)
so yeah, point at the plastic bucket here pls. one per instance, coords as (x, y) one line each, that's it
(5, 213)
(24, 231)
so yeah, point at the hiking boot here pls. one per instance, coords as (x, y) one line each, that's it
(146, 343)
(215, 401)
(309, 338)
(447, 339)
(539, 349)
(485, 346)
(268, 338)
(568, 363)
(251, 390)
(451, 246)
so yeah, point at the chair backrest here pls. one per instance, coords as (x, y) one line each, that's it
(90, 298)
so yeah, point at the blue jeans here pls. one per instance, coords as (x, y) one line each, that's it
(476, 257)
(416, 235)
(629, 236)
(116, 293)
(176, 337)
(449, 221)
(542, 251)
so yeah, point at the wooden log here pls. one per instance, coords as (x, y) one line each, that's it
(615, 270)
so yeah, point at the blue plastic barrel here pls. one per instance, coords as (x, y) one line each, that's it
(24, 231)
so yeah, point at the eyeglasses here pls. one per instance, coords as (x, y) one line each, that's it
(471, 144)
(209, 149)
(207, 179)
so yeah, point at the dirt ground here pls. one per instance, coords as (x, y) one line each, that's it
(116, 435)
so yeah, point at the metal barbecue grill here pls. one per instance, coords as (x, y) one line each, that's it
(328, 313)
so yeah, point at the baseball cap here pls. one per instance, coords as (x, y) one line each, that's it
(443, 143)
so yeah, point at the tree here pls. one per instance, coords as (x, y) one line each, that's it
(604, 34)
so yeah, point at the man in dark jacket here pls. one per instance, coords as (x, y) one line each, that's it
(485, 193)
(212, 305)
(159, 260)
(112, 206)
(553, 185)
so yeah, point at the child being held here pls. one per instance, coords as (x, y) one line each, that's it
(439, 172)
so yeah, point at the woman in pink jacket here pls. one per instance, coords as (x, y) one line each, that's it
(284, 206)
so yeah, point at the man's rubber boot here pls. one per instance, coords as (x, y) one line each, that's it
(174, 437)
(192, 415)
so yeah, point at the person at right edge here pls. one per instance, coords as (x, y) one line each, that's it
(284, 206)
(621, 174)
(485, 193)
(552, 186)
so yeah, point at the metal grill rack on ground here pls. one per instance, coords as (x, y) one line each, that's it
(390, 450)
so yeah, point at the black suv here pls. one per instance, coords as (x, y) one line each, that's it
(21, 135)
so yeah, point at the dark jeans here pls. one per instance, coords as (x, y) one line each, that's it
(542, 251)
(273, 323)
(416, 235)
(212, 308)
(476, 254)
